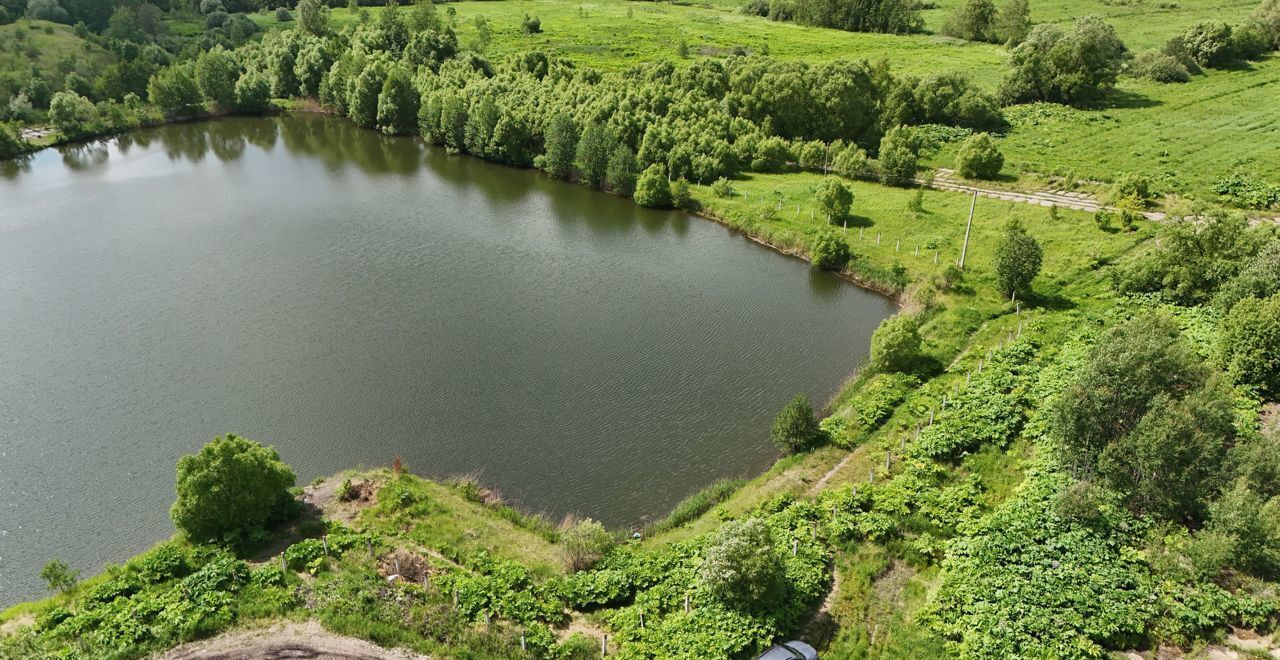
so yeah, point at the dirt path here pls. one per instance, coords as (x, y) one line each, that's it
(287, 640)
(945, 179)
(820, 483)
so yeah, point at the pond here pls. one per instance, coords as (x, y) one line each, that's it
(351, 298)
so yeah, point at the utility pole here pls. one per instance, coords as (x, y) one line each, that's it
(965, 249)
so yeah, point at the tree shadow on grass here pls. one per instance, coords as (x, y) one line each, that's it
(1119, 99)
(927, 366)
(308, 523)
(853, 221)
(1048, 300)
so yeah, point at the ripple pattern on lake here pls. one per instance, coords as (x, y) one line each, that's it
(351, 298)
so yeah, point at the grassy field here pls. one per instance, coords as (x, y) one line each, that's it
(52, 48)
(1185, 136)
(1142, 24)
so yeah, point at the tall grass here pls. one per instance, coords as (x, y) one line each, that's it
(693, 506)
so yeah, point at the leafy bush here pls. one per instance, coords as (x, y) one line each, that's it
(652, 188)
(1247, 192)
(232, 486)
(1250, 343)
(1062, 66)
(305, 555)
(974, 21)
(742, 567)
(1259, 278)
(1132, 184)
(899, 153)
(979, 157)
(11, 143)
(895, 345)
(1131, 364)
(1018, 259)
(1250, 41)
(1193, 259)
(163, 564)
(829, 251)
(834, 199)
(1207, 43)
(530, 24)
(585, 543)
(722, 188)
(795, 429)
(283, 15)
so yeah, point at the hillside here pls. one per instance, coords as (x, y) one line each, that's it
(1065, 444)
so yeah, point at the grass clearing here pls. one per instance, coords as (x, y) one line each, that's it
(52, 48)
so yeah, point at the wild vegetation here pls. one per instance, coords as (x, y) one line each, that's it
(1064, 445)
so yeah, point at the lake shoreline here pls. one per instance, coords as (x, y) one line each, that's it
(798, 252)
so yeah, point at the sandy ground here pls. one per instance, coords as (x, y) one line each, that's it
(286, 641)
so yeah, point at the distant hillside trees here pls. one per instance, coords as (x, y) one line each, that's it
(1065, 65)
(888, 16)
(978, 20)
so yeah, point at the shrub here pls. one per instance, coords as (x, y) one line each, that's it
(531, 24)
(58, 576)
(232, 486)
(895, 345)
(834, 199)
(1063, 66)
(1128, 367)
(652, 188)
(164, 563)
(283, 15)
(1250, 41)
(1018, 259)
(682, 195)
(1207, 43)
(1132, 184)
(305, 555)
(1250, 343)
(174, 90)
(1267, 18)
(772, 154)
(829, 251)
(795, 429)
(899, 153)
(585, 543)
(1259, 278)
(253, 93)
(46, 10)
(722, 188)
(974, 21)
(852, 162)
(1013, 22)
(1160, 67)
(215, 20)
(1247, 192)
(979, 157)
(11, 142)
(742, 567)
(72, 113)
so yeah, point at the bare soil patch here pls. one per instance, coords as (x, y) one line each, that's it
(288, 640)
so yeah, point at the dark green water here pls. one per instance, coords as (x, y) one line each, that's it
(351, 298)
